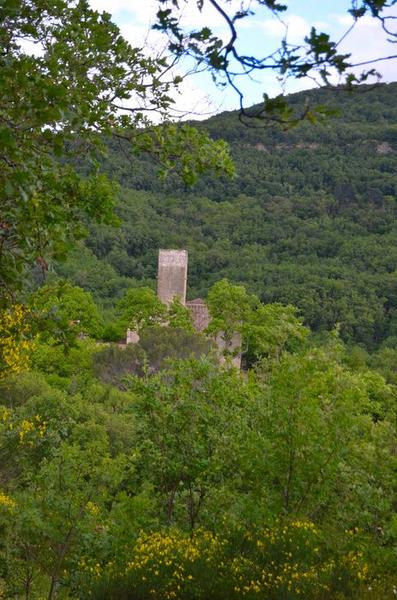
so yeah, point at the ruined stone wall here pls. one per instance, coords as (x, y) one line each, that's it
(200, 314)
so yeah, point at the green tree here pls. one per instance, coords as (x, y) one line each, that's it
(179, 316)
(141, 307)
(164, 343)
(300, 444)
(272, 329)
(61, 101)
(188, 415)
(230, 306)
(113, 364)
(62, 463)
(317, 436)
(64, 306)
(51, 523)
(266, 330)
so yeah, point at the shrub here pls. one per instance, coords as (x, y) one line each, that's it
(113, 363)
(286, 562)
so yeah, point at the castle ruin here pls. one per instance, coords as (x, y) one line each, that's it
(171, 284)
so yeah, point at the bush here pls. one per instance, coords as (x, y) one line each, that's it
(286, 562)
(113, 363)
(161, 343)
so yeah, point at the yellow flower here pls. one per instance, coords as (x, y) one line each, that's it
(6, 500)
(92, 508)
(15, 347)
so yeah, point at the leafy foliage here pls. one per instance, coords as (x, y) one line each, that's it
(65, 70)
(195, 480)
(140, 307)
(152, 470)
(258, 565)
(15, 343)
(63, 306)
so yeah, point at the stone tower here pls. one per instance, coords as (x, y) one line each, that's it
(172, 275)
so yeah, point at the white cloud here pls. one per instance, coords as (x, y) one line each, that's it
(143, 11)
(193, 102)
(296, 27)
(367, 41)
(192, 17)
(152, 42)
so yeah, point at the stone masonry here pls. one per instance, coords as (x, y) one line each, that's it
(172, 275)
(200, 315)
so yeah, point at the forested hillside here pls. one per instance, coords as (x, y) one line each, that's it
(162, 469)
(309, 219)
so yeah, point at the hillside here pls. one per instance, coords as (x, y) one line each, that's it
(309, 219)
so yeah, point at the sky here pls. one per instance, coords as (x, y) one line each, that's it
(259, 34)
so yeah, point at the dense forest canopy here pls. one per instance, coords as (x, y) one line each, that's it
(309, 218)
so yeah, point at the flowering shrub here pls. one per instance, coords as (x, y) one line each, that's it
(15, 346)
(25, 432)
(164, 565)
(31, 430)
(6, 501)
(283, 563)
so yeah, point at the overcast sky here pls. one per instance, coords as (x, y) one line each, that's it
(259, 35)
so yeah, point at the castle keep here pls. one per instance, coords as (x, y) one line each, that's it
(172, 283)
(172, 276)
